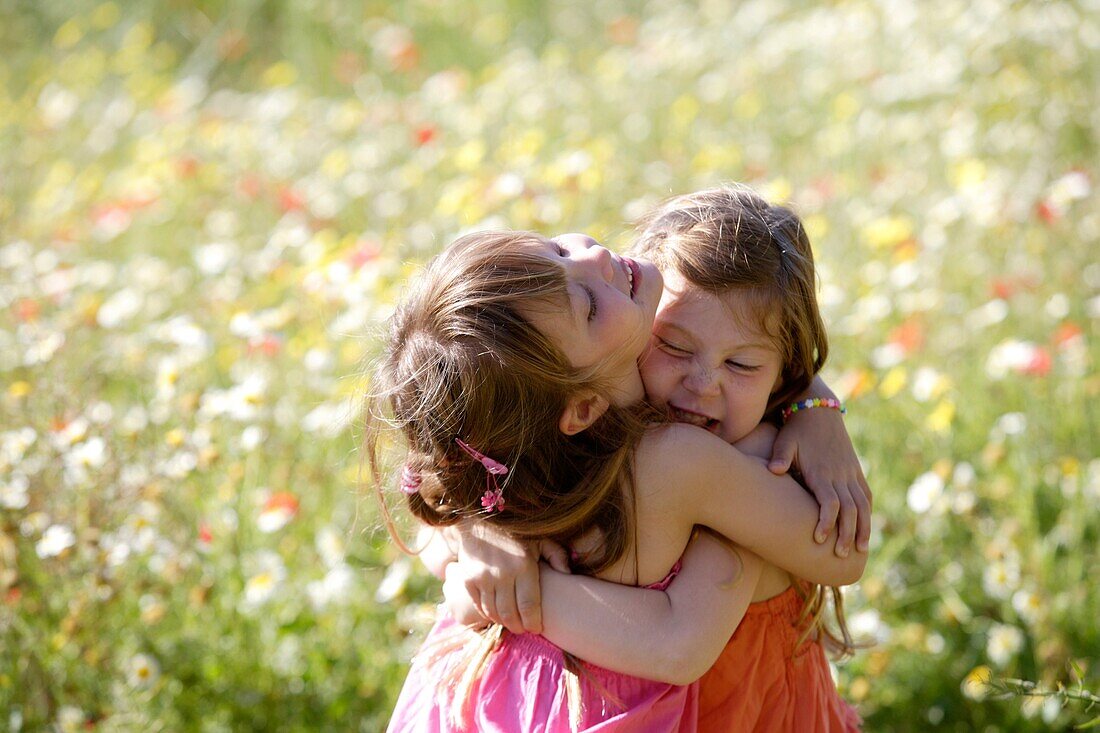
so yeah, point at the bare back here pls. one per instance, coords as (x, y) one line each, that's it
(660, 534)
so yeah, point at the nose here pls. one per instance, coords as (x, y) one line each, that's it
(701, 380)
(600, 256)
(585, 249)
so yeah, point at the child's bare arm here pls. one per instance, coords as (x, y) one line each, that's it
(817, 444)
(671, 636)
(706, 481)
(759, 442)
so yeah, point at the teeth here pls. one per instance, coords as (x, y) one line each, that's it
(690, 417)
(629, 275)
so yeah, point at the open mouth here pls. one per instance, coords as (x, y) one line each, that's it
(631, 268)
(693, 418)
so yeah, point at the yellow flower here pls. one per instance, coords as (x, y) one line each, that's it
(777, 190)
(942, 417)
(888, 231)
(105, 16)
(469, 157)
(976, 684)
(69, 34)
(844, 107)
(748, 105)
(684, 111)
(280, 74)
(817, 226)
(968, 173)
(893, 382)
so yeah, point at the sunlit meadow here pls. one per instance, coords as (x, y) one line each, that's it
(207, 209)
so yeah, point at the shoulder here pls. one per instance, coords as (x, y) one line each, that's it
(676, 453)
(679, 436)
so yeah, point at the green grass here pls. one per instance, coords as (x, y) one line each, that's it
(197, 195)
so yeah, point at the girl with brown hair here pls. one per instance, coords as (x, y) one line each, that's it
(511, 375)
(737, 337)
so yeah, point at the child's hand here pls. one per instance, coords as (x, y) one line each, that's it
(456, 597)
(501, 575)
(436, 550)
(817, 443)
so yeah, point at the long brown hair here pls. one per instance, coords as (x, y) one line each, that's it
(730, 238)
(463, 361)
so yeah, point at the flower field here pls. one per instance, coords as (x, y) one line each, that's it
(207, 209)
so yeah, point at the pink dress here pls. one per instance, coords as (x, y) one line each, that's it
(522, 690)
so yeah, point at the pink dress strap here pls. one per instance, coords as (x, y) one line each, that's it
(667, 581)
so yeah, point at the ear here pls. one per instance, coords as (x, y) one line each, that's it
(581, 411)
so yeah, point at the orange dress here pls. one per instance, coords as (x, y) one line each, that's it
(760, 683)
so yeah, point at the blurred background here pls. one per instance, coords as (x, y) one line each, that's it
(207, 209)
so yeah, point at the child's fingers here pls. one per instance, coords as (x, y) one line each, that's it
(827, 514)
(863, 521)
(507, 613)
(555, 554)
(866, 491)
(485, 603)
(847, 524)
(782, 456)
(460, 604)
(529, 603)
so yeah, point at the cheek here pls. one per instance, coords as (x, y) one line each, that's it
(660, 376)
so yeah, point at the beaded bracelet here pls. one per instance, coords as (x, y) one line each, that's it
(812, 402)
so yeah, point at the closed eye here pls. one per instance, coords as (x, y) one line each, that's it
(593, 306)
(741, 367)
(672, 348)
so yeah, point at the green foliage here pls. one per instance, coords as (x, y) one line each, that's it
(208, 208)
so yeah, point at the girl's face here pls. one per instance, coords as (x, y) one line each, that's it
(710, 363)
(612, 302)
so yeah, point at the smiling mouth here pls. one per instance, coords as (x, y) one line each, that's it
(630, 266)
(692, 418)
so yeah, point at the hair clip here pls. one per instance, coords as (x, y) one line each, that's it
(493, 498)
(410, 481)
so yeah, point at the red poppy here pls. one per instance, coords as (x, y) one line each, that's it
(187, 166)
(1066, 334)
(1002, 287)
(289, 199)
(1040, 363)
(249, 186)
(282, 501)
(27, 310)
(404, 56)
(364, 252)
(425, 134)
(1048, 211)
(909, 336)
(623, 30)
(267, 345)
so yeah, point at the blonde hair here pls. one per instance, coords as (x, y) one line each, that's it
(730, 238)
(463, 361)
